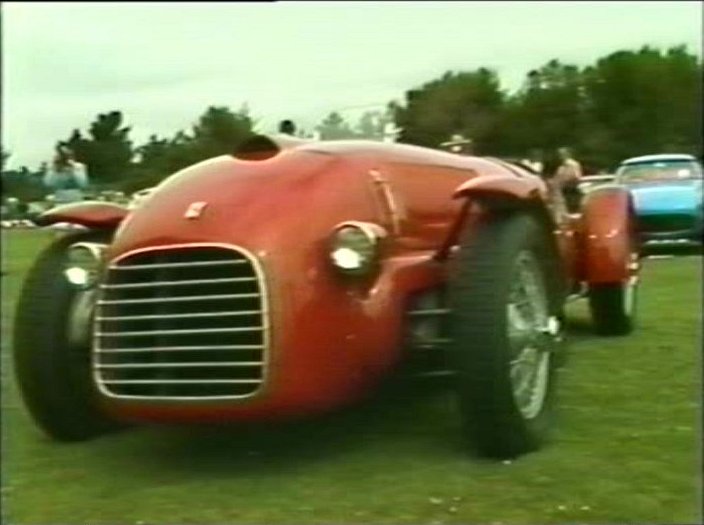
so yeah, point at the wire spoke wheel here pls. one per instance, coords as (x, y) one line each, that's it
(506, 311)
(528, 317)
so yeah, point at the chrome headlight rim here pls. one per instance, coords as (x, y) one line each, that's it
(83, 264)
(356, 261)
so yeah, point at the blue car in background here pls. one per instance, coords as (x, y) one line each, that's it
(667, 192)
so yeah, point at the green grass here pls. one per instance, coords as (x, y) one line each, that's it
(626, 448)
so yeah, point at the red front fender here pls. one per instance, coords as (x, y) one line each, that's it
(492, 190)
(503, 185)
(607, 234)
(91, 214)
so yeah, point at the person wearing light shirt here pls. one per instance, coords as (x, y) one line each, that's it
(567, 179)
(66, 177)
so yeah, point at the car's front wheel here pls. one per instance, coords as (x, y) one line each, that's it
(52, 347)
(506, 333)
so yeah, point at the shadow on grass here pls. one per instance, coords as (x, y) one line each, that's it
(383, 423)
(380, 426)
(579, 329)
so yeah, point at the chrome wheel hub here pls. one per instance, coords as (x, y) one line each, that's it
(80, 319)
(532, 334)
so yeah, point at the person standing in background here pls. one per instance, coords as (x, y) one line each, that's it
(66, 177)
(567, 178)
(459, 144)
(535, 161)
(287, 127)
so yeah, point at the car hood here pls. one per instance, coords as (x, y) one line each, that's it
(277, 204)
(667, 196)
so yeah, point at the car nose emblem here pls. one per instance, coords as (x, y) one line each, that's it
(195, 210)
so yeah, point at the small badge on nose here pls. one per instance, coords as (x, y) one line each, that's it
(195, 210)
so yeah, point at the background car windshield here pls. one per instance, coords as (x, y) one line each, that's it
(661, 170)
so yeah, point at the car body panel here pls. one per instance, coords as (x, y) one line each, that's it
(91, 214)
(331, 339)
(667, 197)
(606, 235)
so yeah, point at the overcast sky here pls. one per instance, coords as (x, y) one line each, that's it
(162, 64)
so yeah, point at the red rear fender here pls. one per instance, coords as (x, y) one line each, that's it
(607, 234)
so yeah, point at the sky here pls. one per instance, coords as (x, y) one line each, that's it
(163, 64)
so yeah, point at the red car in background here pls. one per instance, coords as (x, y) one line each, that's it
(291, 277)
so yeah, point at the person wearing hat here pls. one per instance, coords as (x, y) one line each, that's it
(534, 161)
(391, 132)
(459, 144)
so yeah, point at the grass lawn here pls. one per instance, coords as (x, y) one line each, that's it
(626, 450)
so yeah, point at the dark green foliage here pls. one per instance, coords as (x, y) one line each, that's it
(643, 101)
(628, 103)
(4, 155)
(108, 151)
(217, 132)
(469, 103)
(548, 111)
(334, 127)
(23, 184)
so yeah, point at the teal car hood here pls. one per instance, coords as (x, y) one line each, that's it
(667, 196)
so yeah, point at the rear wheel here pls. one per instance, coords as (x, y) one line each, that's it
(613, 305)
(52, 347)
(506, 332)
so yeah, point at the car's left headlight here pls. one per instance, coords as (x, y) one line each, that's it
(83, 263)
(354, 248)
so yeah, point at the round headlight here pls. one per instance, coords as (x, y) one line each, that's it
(355, 248)
(83, 263)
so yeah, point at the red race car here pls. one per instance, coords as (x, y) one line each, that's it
(290, 277)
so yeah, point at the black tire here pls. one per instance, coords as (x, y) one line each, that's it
(613, 305)
(494, 425)
(54, 376)
(610, 309)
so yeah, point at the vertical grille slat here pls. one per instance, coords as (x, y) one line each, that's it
(185, 322)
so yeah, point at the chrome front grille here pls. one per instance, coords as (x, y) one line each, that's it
(184, 322)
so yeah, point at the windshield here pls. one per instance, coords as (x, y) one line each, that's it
(660, 170)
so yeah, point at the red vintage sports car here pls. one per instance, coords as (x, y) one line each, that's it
(290, 277)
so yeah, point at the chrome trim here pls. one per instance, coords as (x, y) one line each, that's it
(175, 382)
(433, 341)
(96, 249)
(177, 349)
(391, 204)
(437, 373)
(265, 324)
(429, 312)
(178, 299)
(186, 331)
(177, 283)
(208, 364)
(177, 316)
(172, 265)
(574, 297)
(374, 232)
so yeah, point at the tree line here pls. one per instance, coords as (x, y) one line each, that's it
(627, 103)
